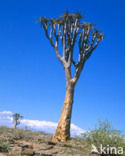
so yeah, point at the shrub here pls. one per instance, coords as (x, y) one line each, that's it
(104, 136)
(4, 146)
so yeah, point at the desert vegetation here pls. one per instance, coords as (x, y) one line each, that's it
(16, 142)
(104, 135)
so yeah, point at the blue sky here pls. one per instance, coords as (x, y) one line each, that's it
(31, 78)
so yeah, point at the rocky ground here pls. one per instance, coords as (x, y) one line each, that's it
(25, 142)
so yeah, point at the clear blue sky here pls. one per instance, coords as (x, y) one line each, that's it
(31, 78)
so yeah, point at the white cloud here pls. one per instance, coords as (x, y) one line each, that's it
(36, 125)
(6, 113)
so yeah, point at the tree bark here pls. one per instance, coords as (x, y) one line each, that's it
(63, 129)
(15, 124)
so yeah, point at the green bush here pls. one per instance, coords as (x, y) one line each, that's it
(104, 136)
(4, 146)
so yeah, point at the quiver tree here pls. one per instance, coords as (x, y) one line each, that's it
(16, 119)
(66, 32)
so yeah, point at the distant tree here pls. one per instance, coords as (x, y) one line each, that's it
(16, 119)
(69, 31)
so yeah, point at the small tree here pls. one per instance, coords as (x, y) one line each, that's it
(68, 31)
(16, 119)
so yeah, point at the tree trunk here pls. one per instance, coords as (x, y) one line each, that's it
(15, 125)
(63, 129)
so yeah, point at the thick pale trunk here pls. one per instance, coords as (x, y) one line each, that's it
(15, 125)
(63, 129)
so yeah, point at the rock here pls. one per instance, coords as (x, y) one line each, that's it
(15, 151)
(1, 154)
(41, 153)
(26, 146)
(46, 147)
(11, 141)
(51, 143)
(3, 149)
(28, 151)
(39, 145)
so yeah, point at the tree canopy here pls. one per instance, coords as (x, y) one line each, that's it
(70, 29)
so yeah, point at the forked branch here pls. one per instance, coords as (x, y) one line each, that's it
(69, 30)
